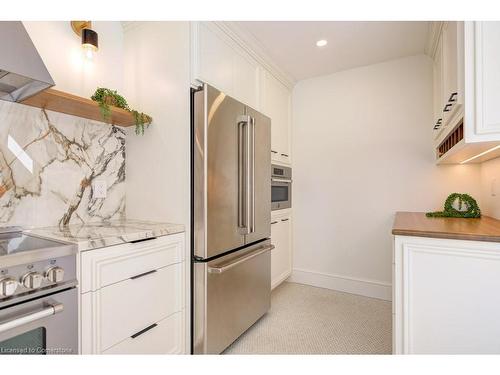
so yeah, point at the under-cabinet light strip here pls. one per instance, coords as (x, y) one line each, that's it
(481, 154)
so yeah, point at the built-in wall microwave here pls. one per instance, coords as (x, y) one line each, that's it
(281, 187)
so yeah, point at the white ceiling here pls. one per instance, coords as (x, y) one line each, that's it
(292, 45)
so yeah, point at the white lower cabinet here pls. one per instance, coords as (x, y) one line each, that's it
(133, 298)
(446, 296)
(281, 255)
(164, 337)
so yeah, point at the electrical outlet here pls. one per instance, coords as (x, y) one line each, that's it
(100, 188)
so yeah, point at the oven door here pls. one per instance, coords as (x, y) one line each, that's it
(46, 325)
(281, 194)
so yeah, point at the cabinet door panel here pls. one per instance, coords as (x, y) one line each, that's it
(281, 256)
(245, 78)
(487, 75)
(449, 299)
(452, 45)
(438, 89)
(128, 307)
(164, 338)
(215, 60)
(276, 105)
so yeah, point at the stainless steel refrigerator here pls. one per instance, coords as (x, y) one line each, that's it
(231, 218)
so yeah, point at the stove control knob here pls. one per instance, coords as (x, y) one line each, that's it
(55, 274)
(8, 286)
(32, 280)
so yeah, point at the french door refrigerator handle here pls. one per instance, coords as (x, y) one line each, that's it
(252, 175)
(243, 173)
(240, 260)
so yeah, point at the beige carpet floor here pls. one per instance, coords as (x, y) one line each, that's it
(309, 320)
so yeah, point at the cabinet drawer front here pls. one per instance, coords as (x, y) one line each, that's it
(167, 337)
(130, 306)
(109, 265)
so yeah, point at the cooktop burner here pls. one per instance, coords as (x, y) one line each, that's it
(16, 242)
(29, 265)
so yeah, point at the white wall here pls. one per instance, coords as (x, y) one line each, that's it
(157, 81)
(61, 51)
(490, 185)
(362, 151)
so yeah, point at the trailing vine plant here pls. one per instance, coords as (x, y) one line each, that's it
(107, 98)
(472, 209)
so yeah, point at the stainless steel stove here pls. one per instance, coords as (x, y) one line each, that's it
(38, 298)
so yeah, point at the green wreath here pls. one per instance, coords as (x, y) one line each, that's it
(472, 211)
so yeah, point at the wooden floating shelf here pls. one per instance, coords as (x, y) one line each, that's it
(69, 104)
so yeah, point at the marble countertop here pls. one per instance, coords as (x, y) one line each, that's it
(96, 235)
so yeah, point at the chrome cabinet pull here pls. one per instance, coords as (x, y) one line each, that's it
(453, 97)
(143, 331)
(447, 107)
(143, 274)
(238, 261)
(50, 310)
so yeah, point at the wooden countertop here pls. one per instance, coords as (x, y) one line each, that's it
(417, 224)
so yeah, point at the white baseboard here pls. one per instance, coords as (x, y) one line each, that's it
(280, 279)
(367, 288)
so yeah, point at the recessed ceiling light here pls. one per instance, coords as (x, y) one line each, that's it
(321, 43)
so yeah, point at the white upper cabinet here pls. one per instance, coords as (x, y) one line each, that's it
(275, 101)
(438, 90)
(218, 61)
(452, 72)
(245, 80)
(483, 80)
(467, 85)
(215, 59)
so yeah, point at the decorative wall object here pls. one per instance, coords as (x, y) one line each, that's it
(467, 207)
(48, 163)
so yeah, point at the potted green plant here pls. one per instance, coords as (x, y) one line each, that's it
(107, 98)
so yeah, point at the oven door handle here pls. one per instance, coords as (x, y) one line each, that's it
(243, 259)
(285, 181)
(50, 310)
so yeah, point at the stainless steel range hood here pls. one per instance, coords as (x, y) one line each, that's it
(22, 71)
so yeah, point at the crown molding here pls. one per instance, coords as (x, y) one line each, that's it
(256, 50)
(435, 29)
(245, 40)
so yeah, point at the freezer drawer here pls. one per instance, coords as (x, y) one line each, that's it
(231, 293)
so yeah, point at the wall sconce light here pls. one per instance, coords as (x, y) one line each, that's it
(89, 37)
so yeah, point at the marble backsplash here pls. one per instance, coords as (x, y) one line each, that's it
(48, 162)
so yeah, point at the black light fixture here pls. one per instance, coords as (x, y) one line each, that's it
(90, 40)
